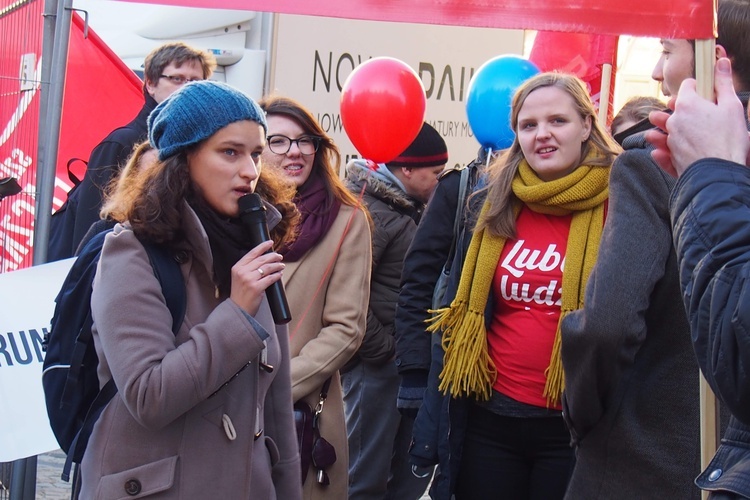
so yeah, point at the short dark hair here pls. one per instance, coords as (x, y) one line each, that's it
(178, 53)
(734, 35)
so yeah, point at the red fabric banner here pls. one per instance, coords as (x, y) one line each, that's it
(580, 54)
(656, 18)
(20, 75)
(101, 93)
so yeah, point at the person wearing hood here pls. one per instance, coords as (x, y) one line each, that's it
(395, 194)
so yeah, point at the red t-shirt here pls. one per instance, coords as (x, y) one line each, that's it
(528, 293)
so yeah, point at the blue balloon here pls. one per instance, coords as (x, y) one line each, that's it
(489, 97)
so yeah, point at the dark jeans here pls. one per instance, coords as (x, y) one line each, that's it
(514, 458)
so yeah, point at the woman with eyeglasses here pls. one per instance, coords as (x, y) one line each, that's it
(327, 276)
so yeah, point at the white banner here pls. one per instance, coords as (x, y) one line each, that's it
(444, 57)
(27, 301)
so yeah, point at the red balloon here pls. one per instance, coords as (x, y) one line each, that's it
(382, 108)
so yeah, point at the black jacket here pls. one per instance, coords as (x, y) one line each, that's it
(440, 426)
(710, 211)
(423, 264)
(394, 219)
(105, 162)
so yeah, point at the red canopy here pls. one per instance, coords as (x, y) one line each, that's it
(656, 18)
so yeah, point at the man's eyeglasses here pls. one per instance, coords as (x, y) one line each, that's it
(281, 144)
(179, 80)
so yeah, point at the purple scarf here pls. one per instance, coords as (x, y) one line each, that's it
(317, 217)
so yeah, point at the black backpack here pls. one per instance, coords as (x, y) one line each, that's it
(62, 222)
(71, 386)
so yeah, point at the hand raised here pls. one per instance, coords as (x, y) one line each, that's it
(699, 128)
(252, 274)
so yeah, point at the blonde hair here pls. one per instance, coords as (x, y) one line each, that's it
(500, 220)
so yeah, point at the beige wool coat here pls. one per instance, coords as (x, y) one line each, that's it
(182, 425)
(328, 290)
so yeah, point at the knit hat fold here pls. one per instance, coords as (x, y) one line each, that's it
(427, 150)
(197, 111)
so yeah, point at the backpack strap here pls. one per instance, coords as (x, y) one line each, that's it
(84, 336)
(463, 186)
(169, 274)
(167, 271)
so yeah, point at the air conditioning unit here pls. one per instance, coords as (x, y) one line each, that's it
(226, 57)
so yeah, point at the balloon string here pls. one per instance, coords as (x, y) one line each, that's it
(489, 155)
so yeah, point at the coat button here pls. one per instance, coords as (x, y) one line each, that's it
(132, 487)
(715, 474)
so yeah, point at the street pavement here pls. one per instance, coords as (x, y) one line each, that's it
(49, 486)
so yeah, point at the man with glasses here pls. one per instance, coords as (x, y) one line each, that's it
(166, 69)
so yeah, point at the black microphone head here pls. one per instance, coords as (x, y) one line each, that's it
(250, 202)
(252, 209)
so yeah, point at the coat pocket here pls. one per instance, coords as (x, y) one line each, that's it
(273, 450)
(138, 482)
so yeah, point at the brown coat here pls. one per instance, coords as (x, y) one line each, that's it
(329, 311)
(166, 434)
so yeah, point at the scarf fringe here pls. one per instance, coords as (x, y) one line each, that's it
(468, 369)
(555, 384)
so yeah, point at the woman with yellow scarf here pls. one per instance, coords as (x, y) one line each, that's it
(538, 225)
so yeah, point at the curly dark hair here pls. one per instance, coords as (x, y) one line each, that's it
(152, 202)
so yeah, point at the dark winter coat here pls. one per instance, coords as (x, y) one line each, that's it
(423, 264)
(631, 379)
(105, 162)
(440, 426)
(710, 215)
(394, 221)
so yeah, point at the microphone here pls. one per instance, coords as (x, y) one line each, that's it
(253, 217)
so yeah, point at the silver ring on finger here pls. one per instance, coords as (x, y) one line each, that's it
(260, 270)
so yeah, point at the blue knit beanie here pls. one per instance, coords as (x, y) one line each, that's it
(197, 111)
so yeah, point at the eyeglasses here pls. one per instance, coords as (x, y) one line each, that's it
(179, 80)
(281, 144)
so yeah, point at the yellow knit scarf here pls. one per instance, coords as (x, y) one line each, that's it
(468, 369)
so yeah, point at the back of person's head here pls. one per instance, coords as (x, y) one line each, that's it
(635, 110)
(327, 158)
(177, 53)
(428, 149)
(632, 113)
(733, 21)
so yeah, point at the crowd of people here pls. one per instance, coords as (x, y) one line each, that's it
(585, 276)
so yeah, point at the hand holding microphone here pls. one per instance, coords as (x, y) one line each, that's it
(253, 216)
